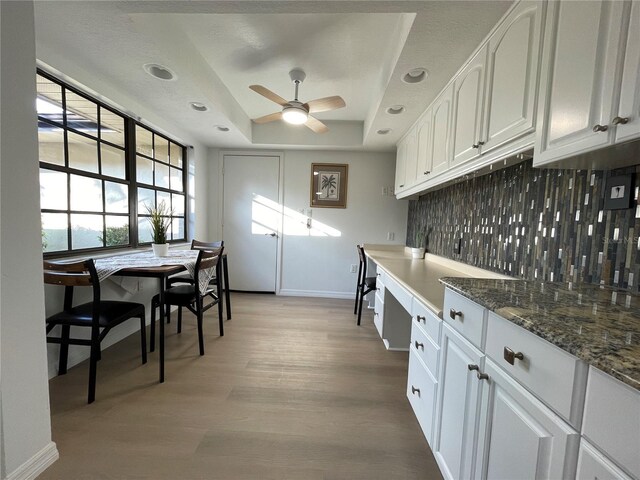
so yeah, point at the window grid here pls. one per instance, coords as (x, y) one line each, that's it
(128, 179)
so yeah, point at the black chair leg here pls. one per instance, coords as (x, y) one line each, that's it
(355, 308)
(152, 331)
(179, 319)
(200, 332)
(64, 350)
(219, 299)
(360, 305)
(93, 366)
(143, 338)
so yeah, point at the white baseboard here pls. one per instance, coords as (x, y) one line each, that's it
(316, 293)
(37, 464)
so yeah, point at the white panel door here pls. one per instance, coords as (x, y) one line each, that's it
(629, 109)
(251, 221)
(468, 98)
(512, 78)
(411, 159)
(519, 436)
(401, 165)
(580, 65)
(425, 147)
(441, 143)
(457, 407)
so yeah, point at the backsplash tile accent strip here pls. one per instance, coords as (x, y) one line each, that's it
(537, 224)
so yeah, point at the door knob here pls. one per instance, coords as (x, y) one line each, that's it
(475, 145)
(473, 367)
(420, 318)
(419, 345)
(415, 390)
(600, 128)
(453, 314)
(620, 120)
(510, 355)
(480, 143)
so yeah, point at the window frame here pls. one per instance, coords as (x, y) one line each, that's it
(130, 179)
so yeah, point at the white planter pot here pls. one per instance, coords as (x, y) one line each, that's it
(160, 249)
(417, 252)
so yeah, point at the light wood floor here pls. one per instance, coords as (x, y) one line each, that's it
(294, 390)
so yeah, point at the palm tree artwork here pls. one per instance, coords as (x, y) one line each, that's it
(329, 183)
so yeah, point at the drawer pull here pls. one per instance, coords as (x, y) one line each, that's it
(483, 376)
(473, 367)
(620, 120)
(419, 345)
(420, 318)
(453, 314)
(415, 390)
(510, 355)
(375, 313)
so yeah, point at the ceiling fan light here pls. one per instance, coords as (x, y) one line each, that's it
(294, 115)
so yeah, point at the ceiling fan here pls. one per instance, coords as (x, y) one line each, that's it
(296, 112)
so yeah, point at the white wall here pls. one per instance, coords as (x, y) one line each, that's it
(319, 265)
(25, 428)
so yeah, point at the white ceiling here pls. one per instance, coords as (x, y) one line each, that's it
(357, 49)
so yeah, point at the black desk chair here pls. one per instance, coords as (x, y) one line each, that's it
(99, 315)
(192, 295)
(365, 284)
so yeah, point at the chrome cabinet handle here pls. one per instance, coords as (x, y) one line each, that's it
(510, 356)
(620, 120)
(402, 185)
(415, 390)
(480, 143)
(473, 367)
(483, 376)
(453, 314)
(426, 173)
(419, 345)
(475, 145)
(600, 128)
(272, 234)
(420, 318)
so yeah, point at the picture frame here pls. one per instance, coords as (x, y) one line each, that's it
(329, 185)
(617, 192)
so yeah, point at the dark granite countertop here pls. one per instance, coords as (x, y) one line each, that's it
(600, 325)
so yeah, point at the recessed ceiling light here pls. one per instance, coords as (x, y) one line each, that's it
(395, 109)
(416, 75)
(159, 71)
(383, 131)
(222, 128)
(200, 107)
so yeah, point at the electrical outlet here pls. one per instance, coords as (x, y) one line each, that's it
(391, 236)
(354, 268)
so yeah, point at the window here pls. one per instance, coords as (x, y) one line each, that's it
(98, 172)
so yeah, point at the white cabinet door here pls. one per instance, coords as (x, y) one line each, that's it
(468, 97)
(629, 108)
(581, 61)
(518, 433)
(421, 392)
(458, 403)
(442, 110)
(425, 146)
(401, 165)
(411, 158)
(593, 465)
(512, 75)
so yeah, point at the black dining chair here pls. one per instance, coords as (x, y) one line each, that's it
(365, 284)
(98, 315)
(192, 295)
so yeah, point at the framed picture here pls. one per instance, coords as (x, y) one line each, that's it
(617, 192)
(329, 185)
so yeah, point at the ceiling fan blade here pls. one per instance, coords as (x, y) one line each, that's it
(265, 92)
(268, 118)
(325, 104)
(316, 125)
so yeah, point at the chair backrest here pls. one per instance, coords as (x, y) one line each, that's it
(75, 274)
(206, 259)
(198, 245)
(362, 270)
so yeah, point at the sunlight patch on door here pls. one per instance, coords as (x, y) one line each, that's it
(266, 216)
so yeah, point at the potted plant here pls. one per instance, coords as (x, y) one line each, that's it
(418, 249)
(160, 220)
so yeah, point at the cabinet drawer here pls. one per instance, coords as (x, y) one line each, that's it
(421, 392)
(427, 350)
(612, 419)
(427, 320)
(378, 313)
(381, 276)
(404, 298)
(593, 465)
(551, 374)
(465, 316)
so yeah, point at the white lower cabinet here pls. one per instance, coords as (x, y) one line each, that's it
(458, 404)
(519, 437)
(421, 392)
(593, 465)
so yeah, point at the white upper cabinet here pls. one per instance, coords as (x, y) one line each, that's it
(581, 64)
(468, 95)
(442, 110)
(627, 116)
(401, 168)
(512, 73)
(406, 161)
(425, 146)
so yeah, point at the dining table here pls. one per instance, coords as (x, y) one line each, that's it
(147, 265)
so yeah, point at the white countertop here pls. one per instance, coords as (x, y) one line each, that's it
(420, 276)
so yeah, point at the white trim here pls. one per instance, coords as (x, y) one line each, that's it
(315, 293)
(37, 464)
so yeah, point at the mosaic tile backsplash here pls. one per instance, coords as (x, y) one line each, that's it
(536, 224)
